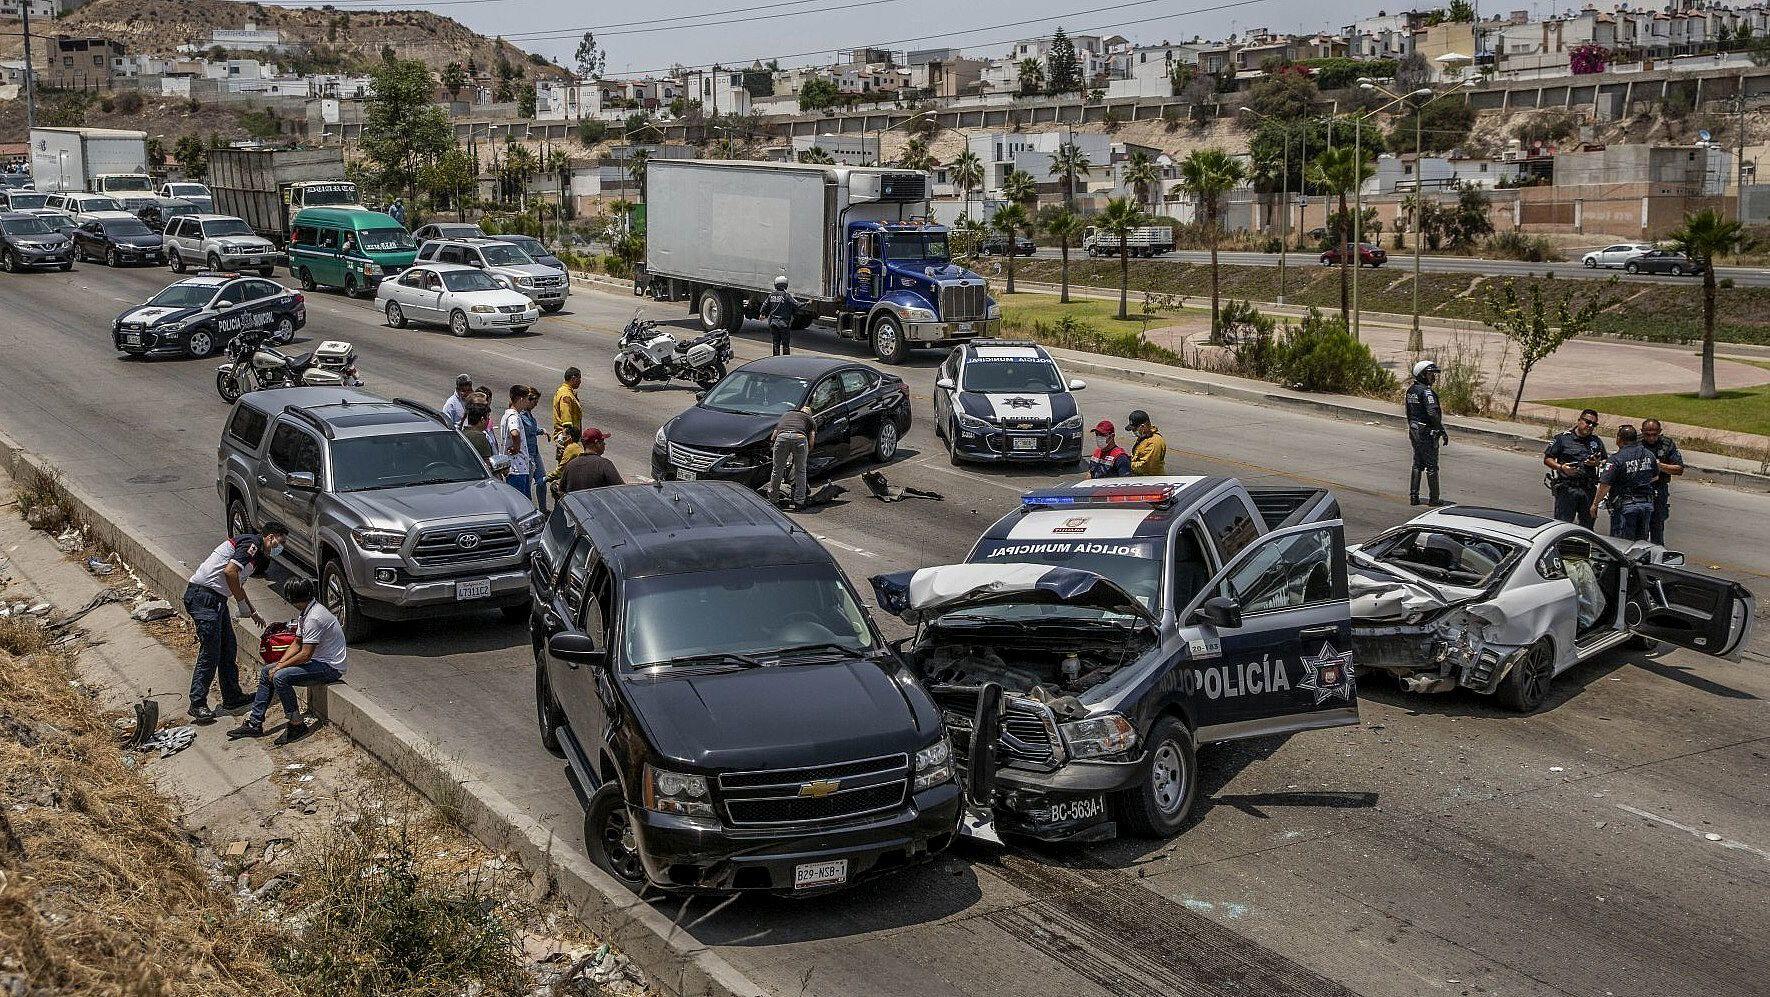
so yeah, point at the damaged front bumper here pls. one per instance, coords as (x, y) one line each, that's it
(1434, 657)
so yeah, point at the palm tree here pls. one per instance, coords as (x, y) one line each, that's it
(915, 156)
(1009, 219)
(1064, 225)
(1144, 177)
(1704, 236)
(1339, 173)
(967, 174)
(636, 169)
(1032, 76)
(1067, 163)
(1120, 217)
(817, 157)
(560, 165)
(1019, 187)
(969, 234)
(1208, 174)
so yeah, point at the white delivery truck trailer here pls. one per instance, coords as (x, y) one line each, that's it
(95, 160)
(856, 242)
(1146, 240)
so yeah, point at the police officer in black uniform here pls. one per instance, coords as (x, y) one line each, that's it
(1425, 430)
(1671, 462)
(780, 309)
(1575, 457)
(1628, 480)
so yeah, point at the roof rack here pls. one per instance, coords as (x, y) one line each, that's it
(297, 412)
(1154, 496)
(423, 409)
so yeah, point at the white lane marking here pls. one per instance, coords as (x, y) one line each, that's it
(847, 547)
(1739, 846)
(974, 477)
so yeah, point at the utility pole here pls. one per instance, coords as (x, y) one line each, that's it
(24, 8)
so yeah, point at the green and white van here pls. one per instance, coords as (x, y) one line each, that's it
(347, 247)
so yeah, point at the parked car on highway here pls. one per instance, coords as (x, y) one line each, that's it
(447, 230)
(997, 245)
(536, 249)
(1662, 261)
(861, 414)
(1369, 255)
(1616, 255)
(724, 700)
(218, 242)
(119, 240)
(1502, 602)
(22, 200)
(998, 400)
(27, 242)
(546, 286)
(385, 502)
(463, 298)
(197, 316)
(158, 214)
(190, 192)
(82, 206)
(1104, 631)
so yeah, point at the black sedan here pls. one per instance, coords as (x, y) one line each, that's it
(117, 240)
(163, 210)
(28, 242)
(1661, 261)
(861, 413)
(536, 249)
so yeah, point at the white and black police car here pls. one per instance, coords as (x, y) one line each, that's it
(998, 400)
(199, 315)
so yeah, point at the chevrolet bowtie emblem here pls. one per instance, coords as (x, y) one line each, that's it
(821, 787)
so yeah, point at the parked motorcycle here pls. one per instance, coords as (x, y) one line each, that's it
(254, 366)
(650, 353)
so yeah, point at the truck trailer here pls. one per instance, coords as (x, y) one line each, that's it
(1145, 240)
(856, 245)
(268, 187)
(94, 160)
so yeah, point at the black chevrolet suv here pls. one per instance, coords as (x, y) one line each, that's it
(727, 707)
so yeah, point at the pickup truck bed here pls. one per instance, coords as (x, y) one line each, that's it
(1282, 507)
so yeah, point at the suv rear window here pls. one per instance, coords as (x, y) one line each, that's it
(247, 426)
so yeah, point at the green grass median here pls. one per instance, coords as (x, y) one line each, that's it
(1739, 410)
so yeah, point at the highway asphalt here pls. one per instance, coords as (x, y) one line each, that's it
(1402, 259)
(1617, 842)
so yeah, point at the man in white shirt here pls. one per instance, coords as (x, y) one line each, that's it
(513, 441)
(456, 407)
(317, 658)
(222, 575)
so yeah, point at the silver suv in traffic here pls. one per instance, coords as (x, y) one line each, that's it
(544, 285)
(385, 503)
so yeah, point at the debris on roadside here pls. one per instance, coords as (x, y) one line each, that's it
(158, 609)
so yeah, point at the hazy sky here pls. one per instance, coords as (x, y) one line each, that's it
(811, 30)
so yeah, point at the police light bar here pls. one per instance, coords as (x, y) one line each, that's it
(1109, 495)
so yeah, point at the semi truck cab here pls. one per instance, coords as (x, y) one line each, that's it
(903, 289)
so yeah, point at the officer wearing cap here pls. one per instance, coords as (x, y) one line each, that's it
(1425, 430)
(1629, 476)
(1149, 454)
(1575, 457)
(1109, 460)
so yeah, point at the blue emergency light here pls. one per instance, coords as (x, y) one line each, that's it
(1108, 495)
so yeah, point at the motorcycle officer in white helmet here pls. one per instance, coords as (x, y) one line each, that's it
(780, 309)
(1425, 430)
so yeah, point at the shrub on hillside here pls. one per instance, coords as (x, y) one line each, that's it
(1321, 355)
(1518, 246)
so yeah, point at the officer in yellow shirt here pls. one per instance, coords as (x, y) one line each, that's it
(1149, 455)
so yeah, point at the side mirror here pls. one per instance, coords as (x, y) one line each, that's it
(575, 649)
(503, 282)
(1222, 612)
(1671, 557)
(1077, 384)
(945, 384)
(302, 481)
(224, 303)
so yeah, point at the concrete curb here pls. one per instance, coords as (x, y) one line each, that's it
(671, 958)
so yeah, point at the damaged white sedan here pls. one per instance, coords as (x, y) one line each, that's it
(1501, 602)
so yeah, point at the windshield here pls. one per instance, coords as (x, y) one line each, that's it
(468, 280)
(231, 226)
(403, 459)
(187, 189)
(120, 184)
(749, 392)
(505, 256)
(125, 227)
(25, 226)
(1439, 555)
(61, 218)
(20, 202)
(741, 611)
(1134, 565)
(333, 194)
(386, 240)
(992, 376)
(527, 244)
(908, 246)
(183, 296)
(98, 204)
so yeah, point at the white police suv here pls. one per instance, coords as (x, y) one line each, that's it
(998, 400)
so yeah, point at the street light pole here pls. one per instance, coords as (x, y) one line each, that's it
(1284, 229)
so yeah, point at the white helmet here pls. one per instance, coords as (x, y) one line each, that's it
(1425, 367)
(780, 283)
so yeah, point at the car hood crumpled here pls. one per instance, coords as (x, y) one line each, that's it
(1391, 594)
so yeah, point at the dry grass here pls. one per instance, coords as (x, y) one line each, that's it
(39, 502)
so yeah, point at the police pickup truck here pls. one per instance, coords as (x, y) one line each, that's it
(1100, 633)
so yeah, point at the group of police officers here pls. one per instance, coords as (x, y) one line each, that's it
(1634, 482)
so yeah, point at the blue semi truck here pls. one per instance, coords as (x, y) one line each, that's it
(857, 245)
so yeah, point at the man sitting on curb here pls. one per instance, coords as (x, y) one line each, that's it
(317, 658)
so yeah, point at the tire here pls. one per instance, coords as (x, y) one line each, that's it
(336, 595)
(306, 280)
(712, 308)
(1631, 268)
(458, 324)
(65, 267)
(112, 260)
(608, 837)
(885, 444)
(283, 332)
(228, 387)
(802, 320)
(706, 377)
(734, 322)
(175, 260)
(626, 372)
(548, 716)
(1591, 263)
(1676, 270)
(350, 288)
(8, 262)
(952, 447)
(202, 343)
(1158, 805)
(1526, 686)
(888, 342)
(213, 262)
(238, 522)
(396, 316)
(553, 308)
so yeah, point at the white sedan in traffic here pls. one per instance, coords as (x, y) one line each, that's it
(463, 298)
(1502, 602)
(1617, 254)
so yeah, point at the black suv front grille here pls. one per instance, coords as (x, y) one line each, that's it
(817, 794)
(458, 544)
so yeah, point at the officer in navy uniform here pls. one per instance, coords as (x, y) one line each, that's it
(1425, 430)
(1629, 479)
(1575, 457)
(780, 309)
(1671, 462)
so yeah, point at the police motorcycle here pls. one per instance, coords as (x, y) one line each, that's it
(254, 366)
(650, 353)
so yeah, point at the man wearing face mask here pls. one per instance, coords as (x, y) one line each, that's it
(220, 576)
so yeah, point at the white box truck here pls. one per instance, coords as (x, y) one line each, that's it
(857, 242)
(95, 160)
(1146, 240)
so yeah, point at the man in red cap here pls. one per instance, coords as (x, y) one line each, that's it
(589, 469)
(1109, 460)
